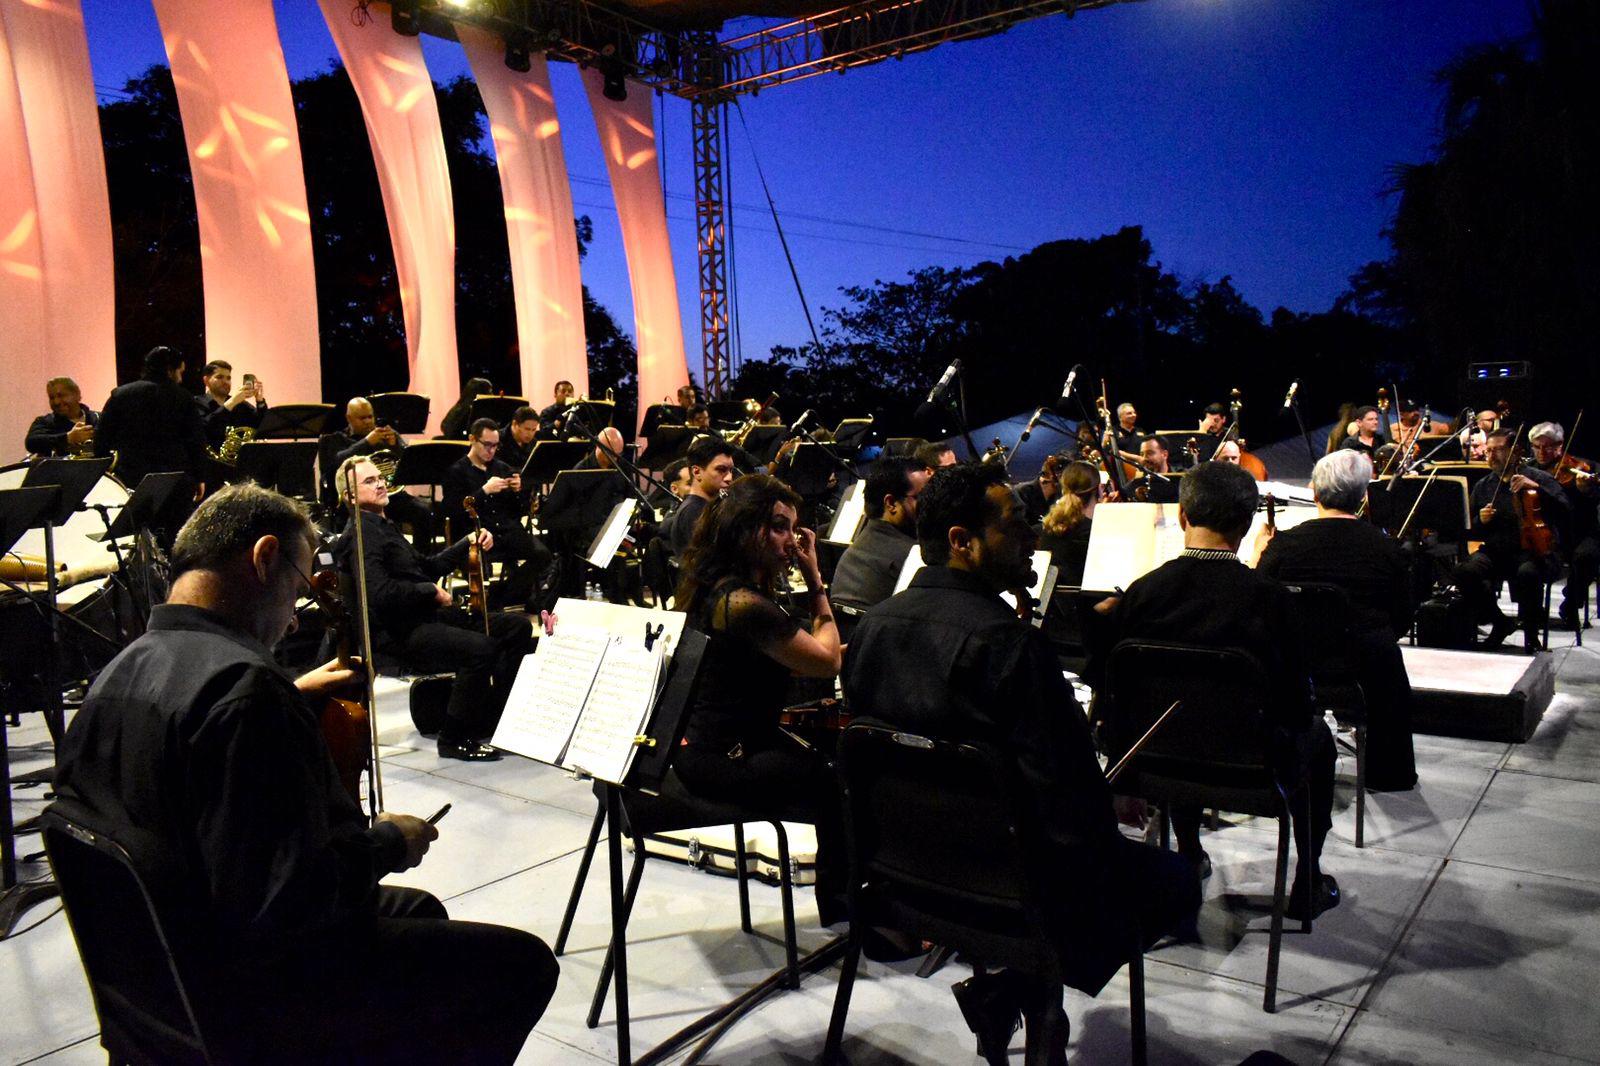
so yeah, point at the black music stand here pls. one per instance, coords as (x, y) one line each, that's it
(808, 468)
(405, 412)
(548, 458)
(898, 447)
(425, 463)
(761, 439)
(733, 412)
(284, 465)
(1445, 506)
(153, 494)
(657, 415)
(667, 444)
(499, 408)
(596, 414)
(295, 421)
(852, 433)
(20, 510)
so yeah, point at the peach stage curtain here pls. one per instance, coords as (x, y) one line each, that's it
(402, 116)
(627, 137)
(250, 191)
(538, 203)
(58, 315)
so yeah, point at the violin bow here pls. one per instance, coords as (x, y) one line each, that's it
(375, 778)
(1111, 774)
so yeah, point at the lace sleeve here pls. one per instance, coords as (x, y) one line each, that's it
(745, 613)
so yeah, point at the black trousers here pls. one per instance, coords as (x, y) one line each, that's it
(786, 781)
(1583, 567)
(484, 665)
(529, 562)
(1524, 572)
(404, 508)
(1381, 669)
(1306, 756)
(406, 985)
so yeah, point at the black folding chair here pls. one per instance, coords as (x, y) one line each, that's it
(964, 883)
(1211, 752)
(1322, 614)
(140, 984)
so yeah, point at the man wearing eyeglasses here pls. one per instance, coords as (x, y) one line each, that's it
(496, 491)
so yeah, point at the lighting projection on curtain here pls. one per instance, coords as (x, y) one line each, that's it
(22, 336)
(627, 137)
(402, 117)
(250, 191)
(55, 215)
(538, 202)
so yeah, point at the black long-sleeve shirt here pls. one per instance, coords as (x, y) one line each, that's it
(153, 426)
(48, 433)
(218, 419)
(1355, 556)
(401, 593)
(869, 568)
(1503, 536)
(195, 747)
(496, 511)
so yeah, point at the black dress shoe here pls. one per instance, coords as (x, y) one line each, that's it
(1503, 627)
(467, 751)
(1201, 863)
(990, 1004)
(1325, 898)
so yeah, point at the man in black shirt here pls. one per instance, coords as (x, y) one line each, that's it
(517, 437)
(68, 427)
(1148, 488)
(222, 407)
(412, 618)
(553, 419)
(1339, 549)
(1368, 437)
(869, 568)
(1502, 558)
(1207, 597)
(1127, 432)
(363, 436)
(496, 490)
(153, 425)
(199, 753)
(1547, 441)
(710, 474)
(948, 659)
(578, 506)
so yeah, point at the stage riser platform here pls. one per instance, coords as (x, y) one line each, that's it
(1494, 696)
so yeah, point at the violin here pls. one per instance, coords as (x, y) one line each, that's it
(345, 723)
(824, 716)
(1535, 534)
(477, 601)
(1570, 470)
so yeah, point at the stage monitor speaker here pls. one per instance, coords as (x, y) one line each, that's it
(1489, 383)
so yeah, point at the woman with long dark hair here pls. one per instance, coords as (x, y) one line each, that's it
(738, 559)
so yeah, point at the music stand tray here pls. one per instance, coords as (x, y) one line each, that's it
(759, 439)
(550, 458)
(1445, 508)
(656, 415)
(404, 412)
(425, 462)
(596, 414)
(24, 509)
(284, 465)
(667, 444)
(733, 412)
(293, 421)
(808, 469)
(147, 501)
(852, 432)
(76, 478)
(499, 408)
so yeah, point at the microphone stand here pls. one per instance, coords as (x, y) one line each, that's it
(1311, 451)
(635, 474)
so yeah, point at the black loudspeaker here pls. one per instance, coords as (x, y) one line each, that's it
(430, 696)
(1445, 622)
(1487, 384)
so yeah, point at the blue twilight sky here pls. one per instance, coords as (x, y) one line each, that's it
(1248, 137)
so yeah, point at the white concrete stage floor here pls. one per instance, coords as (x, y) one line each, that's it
(1467, 932)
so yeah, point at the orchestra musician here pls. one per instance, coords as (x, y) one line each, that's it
(1227, 452)
(1127, 431)
(733, 749)
(454, 424)
(497, 488)
(1368, 436)
(869, 568)
(363, 436)
(1038, 495)
(1547, 441)
(948, 659)
(710, 462)
(1067, 524)
(412, 618)
(1157, 459)
(153, 424)
(1474, 436)
(222, 407)
(69, 427)
(935, 454)
(200, 754)
(553, 418)
(1208, 434)
(1497, 523)
(1208, 597)
(517, 438)
(676, 475)
(571, 516)
(1338, 549)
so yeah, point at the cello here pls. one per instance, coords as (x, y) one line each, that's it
(1252, 464)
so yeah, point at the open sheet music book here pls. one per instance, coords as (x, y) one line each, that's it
(1128, 540)
(1044, 580)
(581, 699)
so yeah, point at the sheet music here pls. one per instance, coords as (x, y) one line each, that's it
(549, 693)
(624, 692)
(1041, 567)
(852, 511)
(620, 618)
(1127, 541)
(609, 539)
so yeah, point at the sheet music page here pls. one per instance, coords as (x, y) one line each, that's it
(624, 691)
(1041, 571)
(1127, 541)
(852, 512)
(908, 569)
(549, 692)
(1286, 518)
(621, 618)
(609, 539)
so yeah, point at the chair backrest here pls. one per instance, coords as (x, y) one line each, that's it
(938, 820)
(1220, 721)
(1323, 621)
(145, 1011)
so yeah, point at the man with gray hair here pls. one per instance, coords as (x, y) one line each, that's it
(202, 756)
(1547, 441)
(1337, 548)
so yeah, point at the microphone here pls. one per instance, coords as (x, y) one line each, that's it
(1066, 390)
(944, 382)
(1032, 422)
(805, 416)
(1288, 397)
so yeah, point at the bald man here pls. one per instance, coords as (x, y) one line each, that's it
(577, 507)
(363, 436)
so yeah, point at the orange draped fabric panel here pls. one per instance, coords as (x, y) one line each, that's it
(538, 202)
(402, 117)
(55, 229)
(250, 191)
(628, 139)
(22, 329)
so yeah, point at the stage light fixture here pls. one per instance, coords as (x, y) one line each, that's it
(517, 57)
(614, 82)
(405, 17)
